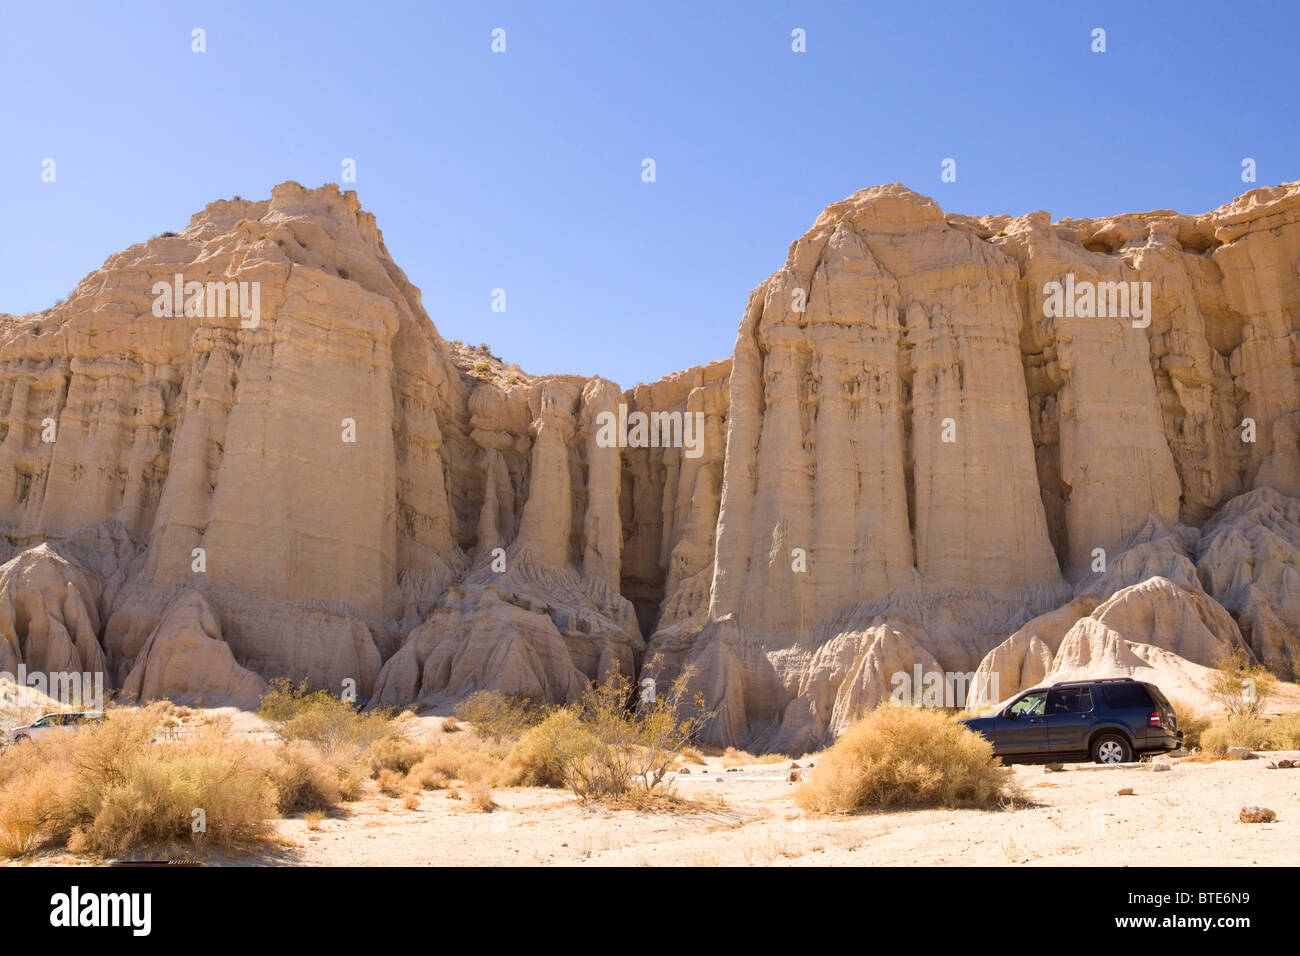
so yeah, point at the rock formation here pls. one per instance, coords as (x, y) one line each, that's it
(244, 451)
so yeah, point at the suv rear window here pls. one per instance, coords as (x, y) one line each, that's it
(1070, 700)
(1124, 696)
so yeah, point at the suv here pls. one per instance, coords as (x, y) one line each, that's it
(1114, 720)
(69, 720)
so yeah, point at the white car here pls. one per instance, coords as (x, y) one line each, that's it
(68, 720)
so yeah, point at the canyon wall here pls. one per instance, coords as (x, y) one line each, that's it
(911, 459)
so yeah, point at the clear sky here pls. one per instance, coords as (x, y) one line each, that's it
(523, 170)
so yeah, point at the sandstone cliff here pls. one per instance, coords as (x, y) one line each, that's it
(909, 460)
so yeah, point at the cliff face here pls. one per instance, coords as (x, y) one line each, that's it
(916, 456)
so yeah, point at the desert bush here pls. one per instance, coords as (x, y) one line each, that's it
(1239, 686)
(480, 796)
(398, 754)
(617, 752)
(115, 787)
(1240, 731)
(497, 716)
(295, 713)
(392, 784)
(906, 757)
(538, 759)
(1191, 722)
(1284, 731)
(306, 779)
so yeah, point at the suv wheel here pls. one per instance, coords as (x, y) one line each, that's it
(1111, 748)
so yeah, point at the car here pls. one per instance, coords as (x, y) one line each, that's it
(1109, 720)
(67, 720)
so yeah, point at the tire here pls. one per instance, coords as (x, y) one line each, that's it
(1111, 748)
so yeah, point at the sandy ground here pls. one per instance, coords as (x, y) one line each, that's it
(1187, 816)
(748, 817)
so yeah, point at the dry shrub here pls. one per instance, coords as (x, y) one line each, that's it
(411, 801)
(480, 795)
(466, 759)
(1240, 731)
(397, 754)
(306, 779)
(115, 786)
(428, 777)
(497, 716)
(295, 713)
(1190, 721)
(313, 818)
(538, 759)
(450, 725)
(906, 757)
(603, 749)
(1284, 731)
(392, 784)
(1239, 686)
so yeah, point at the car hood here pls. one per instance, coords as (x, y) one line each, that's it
(979, 724)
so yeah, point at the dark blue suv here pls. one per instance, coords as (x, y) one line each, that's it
(1114, 720)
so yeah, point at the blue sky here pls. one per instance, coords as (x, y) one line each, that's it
(522, 170)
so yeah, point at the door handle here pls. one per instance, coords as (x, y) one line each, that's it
(1088, 716)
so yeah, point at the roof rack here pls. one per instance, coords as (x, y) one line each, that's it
(1096, 680)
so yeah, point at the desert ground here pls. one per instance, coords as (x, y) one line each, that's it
(747, 816)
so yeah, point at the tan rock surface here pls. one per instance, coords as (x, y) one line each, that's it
(908, 461)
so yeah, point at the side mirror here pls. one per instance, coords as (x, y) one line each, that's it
(1007, 714)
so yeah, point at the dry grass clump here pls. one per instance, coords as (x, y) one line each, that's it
(479, 795)
(688, 755)
(1284, 731)
(906, 757)
(731, 757)
(1190, 721)
(117, 786)
(1241, 731)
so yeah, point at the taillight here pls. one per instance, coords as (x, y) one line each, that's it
(1154, 719)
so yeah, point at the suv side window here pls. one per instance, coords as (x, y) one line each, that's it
(1125, 696)
(1031, 705)
(1070, 700)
